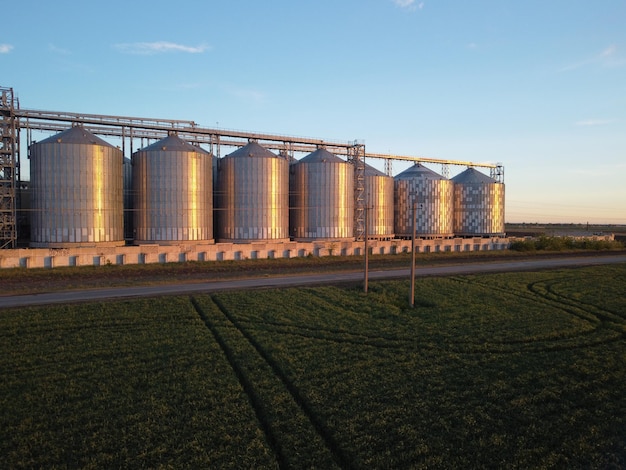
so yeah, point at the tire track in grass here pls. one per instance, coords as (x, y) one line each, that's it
(248, 387)
(291, 431)
(338, 455)
(541, 292)
(510, 346)
(575, 339)
(548, 290)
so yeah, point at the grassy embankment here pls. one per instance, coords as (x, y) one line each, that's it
(520, 370)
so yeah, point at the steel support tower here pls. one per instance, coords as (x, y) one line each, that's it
(356, 156)
(9, 168)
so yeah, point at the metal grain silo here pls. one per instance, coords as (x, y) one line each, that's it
(478, 204)
(379, 201)
(322, 197)
(252, 198)
(433, 195)
(173, 192)
(77, 191)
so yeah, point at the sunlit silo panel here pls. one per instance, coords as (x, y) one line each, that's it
(127, 171)
(252, 197)
(77, 191)
(379, 202)
(433, 198)
(322, 197)
(173, 192)
(478, 204)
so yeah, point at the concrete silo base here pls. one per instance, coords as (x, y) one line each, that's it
(51, 257)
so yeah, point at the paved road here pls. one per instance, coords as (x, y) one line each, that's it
(300, 280)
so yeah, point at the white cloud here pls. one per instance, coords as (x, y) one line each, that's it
(594, 122)
(609, 57)
(408, 4)
(609, 51)
(151, 48)
(5, 48)
(575, 66)
(58, 50)
(248, 95)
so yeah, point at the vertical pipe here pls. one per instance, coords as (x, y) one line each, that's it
(123, 142)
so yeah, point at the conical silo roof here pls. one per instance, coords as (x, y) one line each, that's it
(173, 143)
(419, 171)
(75, 135)
(252, 149)
(321, 156)
(471, 175)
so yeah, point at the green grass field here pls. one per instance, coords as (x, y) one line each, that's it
(517, 370)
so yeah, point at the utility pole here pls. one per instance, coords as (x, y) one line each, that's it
(412, 294)
(367, 252)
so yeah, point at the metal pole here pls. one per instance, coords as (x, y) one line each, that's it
(367, 253)
(412, 295)
(123, 141)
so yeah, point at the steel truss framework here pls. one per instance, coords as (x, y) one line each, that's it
(356, 156)
(133, 129)
(9, 168)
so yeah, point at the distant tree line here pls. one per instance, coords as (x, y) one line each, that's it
(546, 243)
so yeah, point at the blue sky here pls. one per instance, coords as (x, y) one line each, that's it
(539, 86)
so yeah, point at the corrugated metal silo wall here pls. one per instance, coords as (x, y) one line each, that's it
(479, 209)
(215, 176)
(128, 198)
(173, 195)
(77, 194)
(434, 198)
(322, 200)
(23, 214)
(253, 199)
(380, 203)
